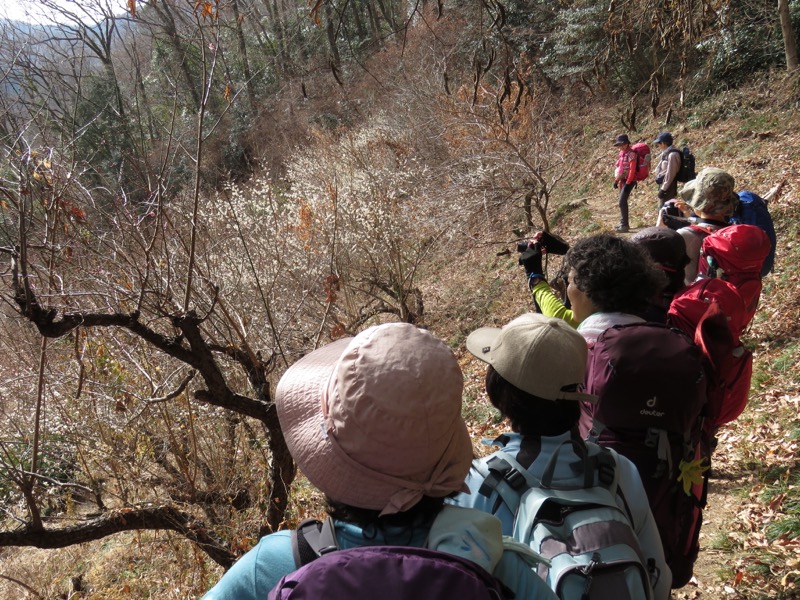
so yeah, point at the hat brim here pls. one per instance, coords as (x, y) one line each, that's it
(480, 341)
(686, 193)
(298, 399)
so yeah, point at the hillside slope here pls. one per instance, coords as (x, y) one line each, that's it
(749, 548)
(749, 541)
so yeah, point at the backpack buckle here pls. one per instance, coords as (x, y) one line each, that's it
(651, 438)
(605, 468)
(516, 480)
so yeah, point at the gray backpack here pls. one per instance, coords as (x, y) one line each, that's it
(587, 539)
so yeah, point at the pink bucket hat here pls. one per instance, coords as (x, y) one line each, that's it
(375, 421)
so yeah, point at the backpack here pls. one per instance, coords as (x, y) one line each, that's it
(386, 572)
(736, 254)
(713, 313)
(591, 548)
(651, 383)
(642, 160)
(687, 171)
(752, 210)
(690, 304)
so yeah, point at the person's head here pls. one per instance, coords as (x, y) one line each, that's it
(611, 274)
(667, 248)
(374, 421)
(622, 142)
(536, 372)
(711, 194)
(663, 140)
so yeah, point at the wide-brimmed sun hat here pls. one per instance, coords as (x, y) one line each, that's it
(712, 192)
(374, 421)
(540, 355)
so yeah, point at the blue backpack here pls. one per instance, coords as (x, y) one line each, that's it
(752, 210)
(385, 572)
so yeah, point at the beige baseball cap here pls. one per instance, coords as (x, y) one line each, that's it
(540, 355)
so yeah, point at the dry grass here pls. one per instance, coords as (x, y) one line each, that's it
(478, 284)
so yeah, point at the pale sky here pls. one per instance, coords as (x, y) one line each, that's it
(32, 11)
(20, 10)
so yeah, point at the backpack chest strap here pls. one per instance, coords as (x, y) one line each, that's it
(313, 539)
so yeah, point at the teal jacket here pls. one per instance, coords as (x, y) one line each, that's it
(258, 571)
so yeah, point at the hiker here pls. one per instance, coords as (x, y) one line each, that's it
(745, 207)
(667, 248)
(624, 178)
(649, 379)
(669, 165)
(710, 197)
(623, 279)
(374, 422)
(536, 370)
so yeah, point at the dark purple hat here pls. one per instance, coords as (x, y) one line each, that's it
(665, 137)
(622, 140)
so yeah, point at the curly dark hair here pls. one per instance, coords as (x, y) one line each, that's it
(615, 274)
(529, 414)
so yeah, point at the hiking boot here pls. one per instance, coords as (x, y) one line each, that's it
(622, 228)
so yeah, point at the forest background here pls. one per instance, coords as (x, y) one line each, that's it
(195, 194)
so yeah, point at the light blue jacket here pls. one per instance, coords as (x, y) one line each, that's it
(257, 572)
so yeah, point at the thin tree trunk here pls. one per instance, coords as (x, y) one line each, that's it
(361, 30)
(280, 35)
(789, 40)
(373, 22)
(251, 94)
(181, 55)
(330, 32)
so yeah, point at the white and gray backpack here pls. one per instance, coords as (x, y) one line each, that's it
(589, 542)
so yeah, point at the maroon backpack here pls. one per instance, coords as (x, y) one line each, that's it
(385, 572)
(651, 384)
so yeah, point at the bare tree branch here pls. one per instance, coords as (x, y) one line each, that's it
(127, 519)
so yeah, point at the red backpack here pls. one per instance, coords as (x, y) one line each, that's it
(690, 305)
(736, 254)
(642, 160)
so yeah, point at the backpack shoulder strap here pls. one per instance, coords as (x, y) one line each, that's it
(698, 229)
(503, 474)
(528, 555)
(604, 462)
(715, 222)
(596, 464)
(313, 539)
(608, 467)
